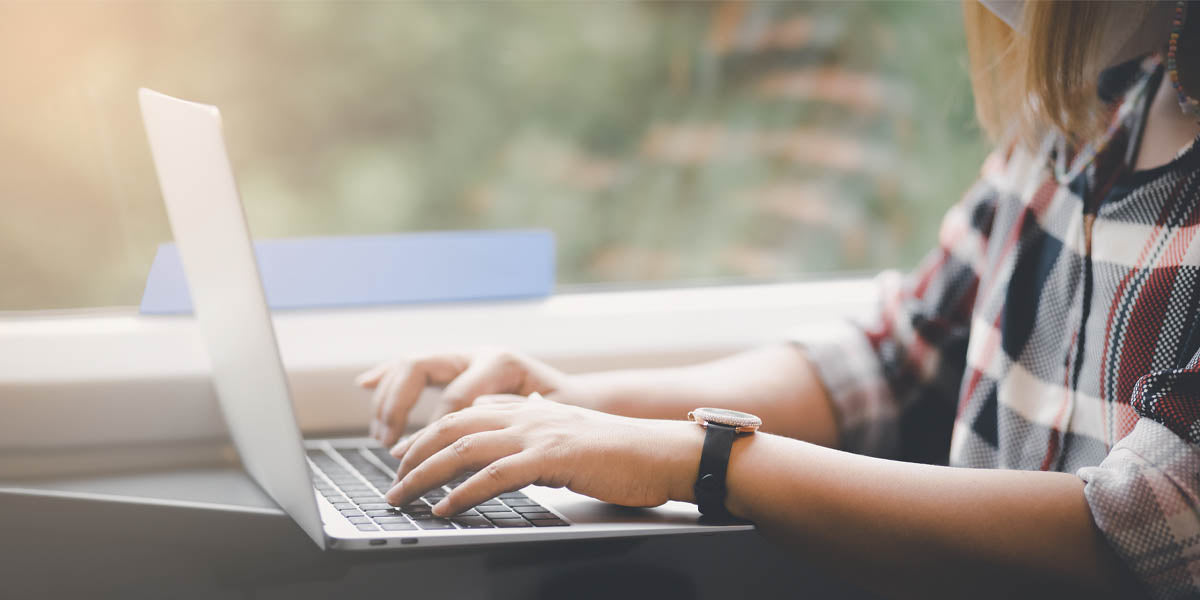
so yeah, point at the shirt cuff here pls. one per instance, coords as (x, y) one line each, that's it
(850, 370)
(1145, 499)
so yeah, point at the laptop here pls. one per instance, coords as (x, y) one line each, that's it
(332, 488)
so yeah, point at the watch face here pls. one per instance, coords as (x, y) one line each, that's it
(725, 416)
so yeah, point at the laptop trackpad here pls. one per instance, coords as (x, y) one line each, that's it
(584, 510)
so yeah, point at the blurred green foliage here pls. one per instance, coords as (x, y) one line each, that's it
(661, 141)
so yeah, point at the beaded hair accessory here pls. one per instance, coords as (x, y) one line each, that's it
(1188, 104)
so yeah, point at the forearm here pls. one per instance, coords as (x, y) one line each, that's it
(924, 531)
(776, 383)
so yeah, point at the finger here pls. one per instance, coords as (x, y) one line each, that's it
(392, 413)
(446, 431)
(498, 399)
(402, 446)
(411, 381)
(512, 472)
(370, 378)
(469, 452)
(494, 374)
(377, 400)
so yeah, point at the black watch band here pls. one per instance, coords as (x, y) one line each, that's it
(714, 461)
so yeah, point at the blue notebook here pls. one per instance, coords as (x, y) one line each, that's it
(327, 272)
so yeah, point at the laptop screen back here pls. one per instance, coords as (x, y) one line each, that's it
(209, 226)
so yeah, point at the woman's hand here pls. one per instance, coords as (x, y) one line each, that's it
(511, 442)
(399, 383)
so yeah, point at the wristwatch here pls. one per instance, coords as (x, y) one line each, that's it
(721, 426)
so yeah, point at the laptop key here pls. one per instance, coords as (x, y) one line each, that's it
(387, 459)
(382, 520)
(548, 522)
(351, 512)
(492, 502)
(434, 523)
(359, 520)
(343, 505)
(520, 502)
(382, 513)
(367, 527)
(507, 495)
(507, 523)
(530, 509)
(380, 506)
(494, 509)
(398, 527)
(472, 522)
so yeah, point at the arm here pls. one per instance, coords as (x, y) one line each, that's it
(924, 531)
(777, 383)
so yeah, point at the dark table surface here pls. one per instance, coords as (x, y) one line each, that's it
(211, 533)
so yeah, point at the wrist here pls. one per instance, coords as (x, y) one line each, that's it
(686, 441)
(742, 477)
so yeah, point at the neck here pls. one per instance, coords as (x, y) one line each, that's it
(1168, 129)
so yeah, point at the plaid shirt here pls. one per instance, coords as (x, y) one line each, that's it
(1057, 327)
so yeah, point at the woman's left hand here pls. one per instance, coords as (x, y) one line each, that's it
(511, 442)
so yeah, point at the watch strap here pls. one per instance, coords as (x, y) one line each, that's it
(714, 462)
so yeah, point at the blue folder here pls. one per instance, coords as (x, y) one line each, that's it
(405, 268)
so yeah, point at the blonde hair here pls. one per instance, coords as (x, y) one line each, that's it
(1042, 78)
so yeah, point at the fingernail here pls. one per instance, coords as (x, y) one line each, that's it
(440, 509)
(393, 494)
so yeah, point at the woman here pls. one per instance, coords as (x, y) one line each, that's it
(1052, 338)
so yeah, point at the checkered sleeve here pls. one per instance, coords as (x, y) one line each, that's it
(1145, 495)
(893, 378)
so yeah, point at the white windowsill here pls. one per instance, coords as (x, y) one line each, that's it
(121, 378)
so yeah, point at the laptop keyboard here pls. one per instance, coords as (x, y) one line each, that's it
(357, 493)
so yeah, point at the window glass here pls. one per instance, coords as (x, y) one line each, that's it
(661, 141)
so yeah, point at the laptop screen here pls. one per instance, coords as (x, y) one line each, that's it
(209, 226)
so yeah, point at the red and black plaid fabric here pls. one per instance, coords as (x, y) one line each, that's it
(1057, 327)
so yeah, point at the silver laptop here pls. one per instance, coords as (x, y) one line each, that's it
(332, 488)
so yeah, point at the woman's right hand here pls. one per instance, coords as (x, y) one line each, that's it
(399, 383)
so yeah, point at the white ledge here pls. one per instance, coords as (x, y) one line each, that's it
(117, 377)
